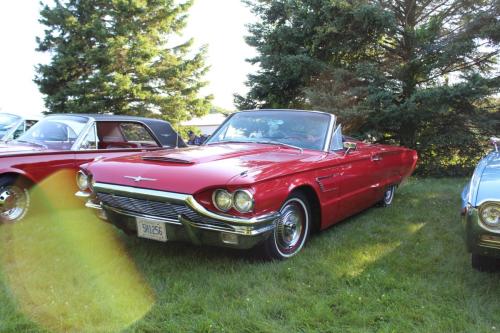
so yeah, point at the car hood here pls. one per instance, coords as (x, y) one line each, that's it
(8, 149)
(489, 184)
(194, 169)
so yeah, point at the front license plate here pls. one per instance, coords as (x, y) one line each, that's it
(151, 230)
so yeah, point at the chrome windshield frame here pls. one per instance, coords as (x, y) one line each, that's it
(327, 138)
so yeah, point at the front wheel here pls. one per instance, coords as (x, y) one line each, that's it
(14, 200)
(292, 229)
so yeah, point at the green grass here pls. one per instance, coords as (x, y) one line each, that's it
(397, 269)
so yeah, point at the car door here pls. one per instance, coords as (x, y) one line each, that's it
(107, 139)
(357, 181)
(347, 178)
(386, 163)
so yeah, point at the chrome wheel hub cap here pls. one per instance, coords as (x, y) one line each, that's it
(289, 229)
(388, 195)
(14, 202)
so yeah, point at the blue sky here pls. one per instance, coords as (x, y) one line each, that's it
(219, 24)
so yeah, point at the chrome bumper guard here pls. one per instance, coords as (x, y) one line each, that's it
(255, 226)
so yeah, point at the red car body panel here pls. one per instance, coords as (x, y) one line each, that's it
(344, 183)
(38, 165)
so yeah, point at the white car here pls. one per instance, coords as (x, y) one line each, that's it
(13, 126)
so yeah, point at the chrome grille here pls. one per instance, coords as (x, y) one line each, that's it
(159, 209)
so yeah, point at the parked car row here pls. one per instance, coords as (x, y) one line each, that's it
(265, 179)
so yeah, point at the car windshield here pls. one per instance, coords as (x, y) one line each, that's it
(307, 130)
(55, 132)
(7, 121)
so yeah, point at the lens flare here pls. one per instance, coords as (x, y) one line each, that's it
(67, 270)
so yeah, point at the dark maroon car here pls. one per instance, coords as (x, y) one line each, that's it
(65, 142)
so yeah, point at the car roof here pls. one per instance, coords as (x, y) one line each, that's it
(23, 117)
(162, 129)
(109, 117)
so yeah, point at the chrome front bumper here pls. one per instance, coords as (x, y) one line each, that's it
(211, 228)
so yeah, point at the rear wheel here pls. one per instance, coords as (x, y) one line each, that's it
(291, 231)
(388, 196)
(484, 263)
(14, 199)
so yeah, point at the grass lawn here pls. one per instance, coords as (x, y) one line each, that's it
(396, 269)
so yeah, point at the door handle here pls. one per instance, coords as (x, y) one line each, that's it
(376, 158)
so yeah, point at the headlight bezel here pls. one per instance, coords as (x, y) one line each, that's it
(250, 197)
(83, 181)
(214, 200)
(482, 209)
(232, 196)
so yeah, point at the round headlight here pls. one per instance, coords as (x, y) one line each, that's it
(223, 200)
(243, 201)
(82, 181)
(490, 214)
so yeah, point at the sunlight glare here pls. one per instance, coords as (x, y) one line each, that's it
(67, 270)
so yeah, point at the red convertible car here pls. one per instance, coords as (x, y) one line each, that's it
(66, 141)
(265, 178)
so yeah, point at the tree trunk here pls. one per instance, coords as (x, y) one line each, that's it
(408, 134)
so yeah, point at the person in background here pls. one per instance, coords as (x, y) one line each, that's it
(193, 139)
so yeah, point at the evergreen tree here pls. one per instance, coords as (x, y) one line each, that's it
(423, 79)
(119, 56)
(298, 40)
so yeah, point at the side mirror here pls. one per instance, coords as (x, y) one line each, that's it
(350, 146)
(496, 142)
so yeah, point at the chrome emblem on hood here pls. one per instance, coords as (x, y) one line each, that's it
(140, 179)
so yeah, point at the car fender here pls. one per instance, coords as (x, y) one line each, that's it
(272, 194)
(16, 171)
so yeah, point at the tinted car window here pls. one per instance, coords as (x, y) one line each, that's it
(136, 133)
(123, 135)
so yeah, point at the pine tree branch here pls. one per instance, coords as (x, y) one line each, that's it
(461, 67)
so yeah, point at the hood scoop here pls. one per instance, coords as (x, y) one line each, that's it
(166, 159)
